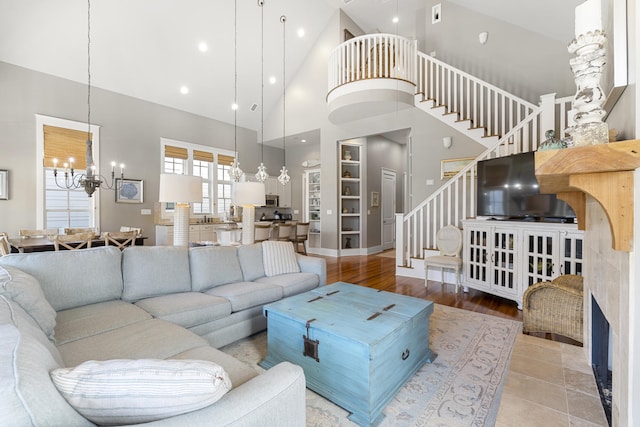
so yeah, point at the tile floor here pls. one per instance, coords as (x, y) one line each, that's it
(549, 384)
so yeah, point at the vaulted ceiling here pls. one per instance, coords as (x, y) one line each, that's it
(149, 49)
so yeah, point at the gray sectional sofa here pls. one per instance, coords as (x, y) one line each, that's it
(60, 309)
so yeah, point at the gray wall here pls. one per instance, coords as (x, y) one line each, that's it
(130, 133)
(382, 153)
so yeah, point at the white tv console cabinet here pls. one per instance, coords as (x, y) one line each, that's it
(505, 257)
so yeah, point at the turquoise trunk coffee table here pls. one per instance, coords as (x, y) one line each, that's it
(357, 345)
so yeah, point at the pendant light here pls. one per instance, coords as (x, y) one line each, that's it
(235, 173)
(262, 174)
(90, 181)
(284, 177)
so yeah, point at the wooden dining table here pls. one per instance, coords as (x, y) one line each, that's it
(44, 244)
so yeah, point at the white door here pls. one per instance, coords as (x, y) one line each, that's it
(388, 203)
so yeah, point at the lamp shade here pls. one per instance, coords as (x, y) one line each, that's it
(176, 188)
(249, 193)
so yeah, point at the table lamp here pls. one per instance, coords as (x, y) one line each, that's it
(248, 195)
(181, 190)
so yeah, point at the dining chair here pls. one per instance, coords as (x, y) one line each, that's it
(80, 230)
(5, 247)
(449, 242)
(300, 236)
(261, 232)
(284, 232)
(120, 239)
(73, 241)
(47, 232)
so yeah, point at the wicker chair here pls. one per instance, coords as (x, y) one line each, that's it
(554, 307)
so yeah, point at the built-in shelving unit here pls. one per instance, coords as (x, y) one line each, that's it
(351, 190)
(311, 213)
(603, 171)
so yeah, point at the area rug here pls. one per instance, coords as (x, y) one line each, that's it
(462, 387)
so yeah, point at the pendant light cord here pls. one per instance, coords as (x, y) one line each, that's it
(88, 70)
(283, 19)
(235, 80)
(261, 3)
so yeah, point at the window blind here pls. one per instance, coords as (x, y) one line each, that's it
(203, 156)
(62, 143)
(175, 152)
(225, 160)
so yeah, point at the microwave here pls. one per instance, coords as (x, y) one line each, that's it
(272, 200)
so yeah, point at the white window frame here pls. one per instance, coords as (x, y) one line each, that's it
(213, 173)
(41, 121)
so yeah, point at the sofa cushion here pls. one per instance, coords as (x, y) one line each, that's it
(26, 291)
(117, 392)
(186, 309)
(13, 314)
(213, 266)
(73, 278)
(279, 258)
(239, 372)
(81, 322)
(250, 257)
(150, 271)
(25, 384)
(243, 295)
(149, 339)
(294, 283)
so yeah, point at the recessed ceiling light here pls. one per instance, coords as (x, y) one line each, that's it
(234, 106)
(395, 19)
(303, 140)
(184, 90)
(202, 47)
(300, 32)
(272, 80)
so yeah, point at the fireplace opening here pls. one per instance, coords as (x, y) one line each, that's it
(601, 356)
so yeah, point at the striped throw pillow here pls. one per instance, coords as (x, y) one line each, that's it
(279, 258)
(123, 391)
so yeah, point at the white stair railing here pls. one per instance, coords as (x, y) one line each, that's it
(372, 56)
(456, 199)
(485, 106)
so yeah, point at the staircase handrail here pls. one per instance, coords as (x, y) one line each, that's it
(493, 88)
(484, 155)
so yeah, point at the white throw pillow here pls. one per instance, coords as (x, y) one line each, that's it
(122, 391)
(279, 258)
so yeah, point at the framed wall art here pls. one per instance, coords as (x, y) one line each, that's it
(375, 199)
(4, 185)
(450, 167)
(129, 190)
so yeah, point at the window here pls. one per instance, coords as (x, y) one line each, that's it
(211, 164)
(58, 207)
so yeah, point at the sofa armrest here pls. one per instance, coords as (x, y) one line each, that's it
(275, 398)
(313, 265)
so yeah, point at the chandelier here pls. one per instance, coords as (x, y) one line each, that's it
(90, 181)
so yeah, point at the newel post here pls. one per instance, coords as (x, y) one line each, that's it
(548, 114)
(399, 239)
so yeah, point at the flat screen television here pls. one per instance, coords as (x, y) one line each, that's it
(508, 189)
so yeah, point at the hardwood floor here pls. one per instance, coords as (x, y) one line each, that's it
(379, 272)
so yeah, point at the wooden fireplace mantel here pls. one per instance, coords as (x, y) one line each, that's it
(604, 172)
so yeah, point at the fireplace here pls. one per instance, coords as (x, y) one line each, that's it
(601, 356)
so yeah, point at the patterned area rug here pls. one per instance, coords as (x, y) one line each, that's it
(462, 387)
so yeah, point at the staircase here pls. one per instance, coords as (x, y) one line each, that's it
(503, 123)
